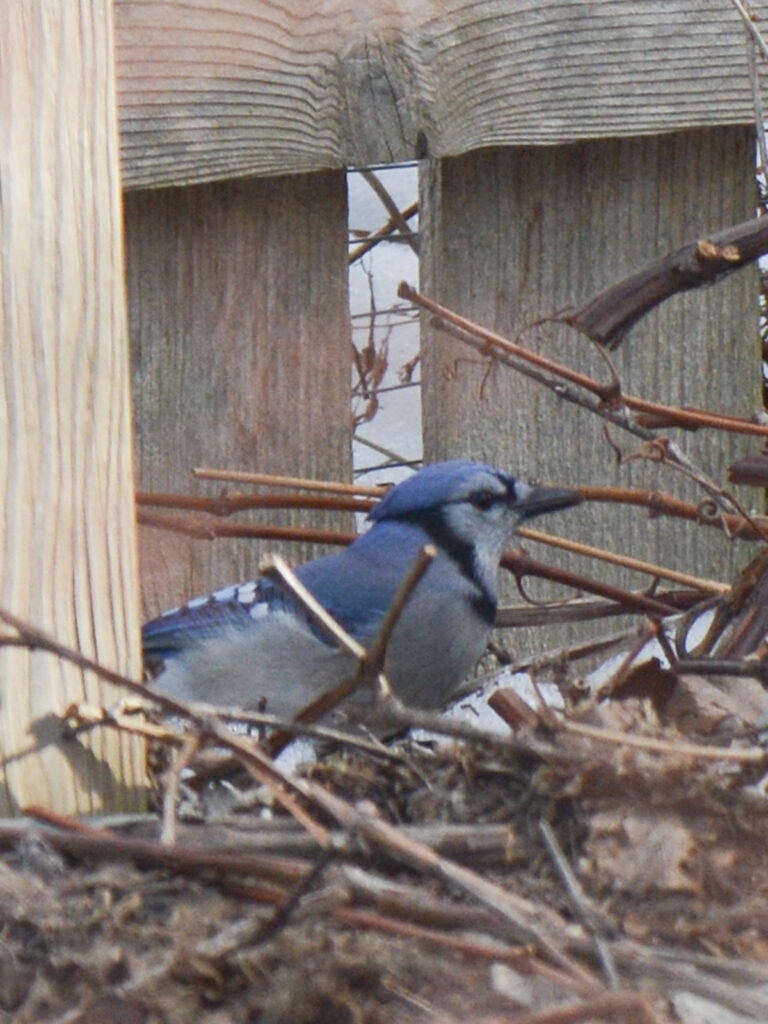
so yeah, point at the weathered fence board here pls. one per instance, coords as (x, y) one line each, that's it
(237, 87)
(516, 234)
(241, 354)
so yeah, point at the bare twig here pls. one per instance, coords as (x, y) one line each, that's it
(275, 567)
(528, 920)
(208, 527)
(747, 755)
(370, 663)
(723, 667)
(374, 657)
(706, 586)
(37, 639)
(300, 483)
(229, 504)
(392, 225)
(521, 565)
(608, 316)
(752, 29)
(594, 920)
(181, 760)
(610, 394)
(625, 1006)
(187, 859)
(398, 217)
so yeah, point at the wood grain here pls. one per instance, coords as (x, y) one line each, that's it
(510, 236)
(241, 356)
(67, 533)
(242, 87)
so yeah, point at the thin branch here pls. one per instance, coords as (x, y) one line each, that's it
(594, 921)
(384, 232)
(275, 567)
(208, 527)
(521, 565)
(660, 503)
(651, 569)
(562, 391)
(182, 758)
(229, 504)
(532, 922)
(300, 483)
(370, 663)
(37, 639)
(723, 667)
(751, 27)
(748, 755)
(394, 211)
(491, 338)
(374, 657)
(608, 316)
(494, 343)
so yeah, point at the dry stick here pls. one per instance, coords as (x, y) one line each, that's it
(608, 316)
(660, 503)
(384, 232)
(520, 565)
(392, 208)
(393, 458)
(300, 483)
(594, 921)
(283, 786)
(376, 652)
(751, 26)
(37, 639)
(582, 609)
(515, 561)
(748, 755)
(275, 567)
(678, 969)
(707, 586)
(527, 918)
(210, 528)
(50, 817)
(605, 392)
(466, 946)
(370, 667)
(594, 405)
(608, 394)
(625, 1006)
(722, 667)
(186, 859)
(657, 502)
(720, 495)
(491, 338)
(228, 504)
(181, 760)
(265, 771)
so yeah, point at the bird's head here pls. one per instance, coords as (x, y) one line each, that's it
(470, 510)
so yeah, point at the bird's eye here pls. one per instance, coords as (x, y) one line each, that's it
(484, 499)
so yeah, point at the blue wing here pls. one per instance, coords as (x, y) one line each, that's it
(356, 586)
(205, 617)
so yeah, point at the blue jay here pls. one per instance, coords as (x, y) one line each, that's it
(252, 646)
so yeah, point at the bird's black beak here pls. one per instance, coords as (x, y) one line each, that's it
(539, 500)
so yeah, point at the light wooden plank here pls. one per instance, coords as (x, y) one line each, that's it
(510, 236)
(241, 355)
(241, 87)
(67, 532)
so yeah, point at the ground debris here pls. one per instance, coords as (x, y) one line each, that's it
(605, 860)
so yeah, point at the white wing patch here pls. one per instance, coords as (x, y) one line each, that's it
(244, 593)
